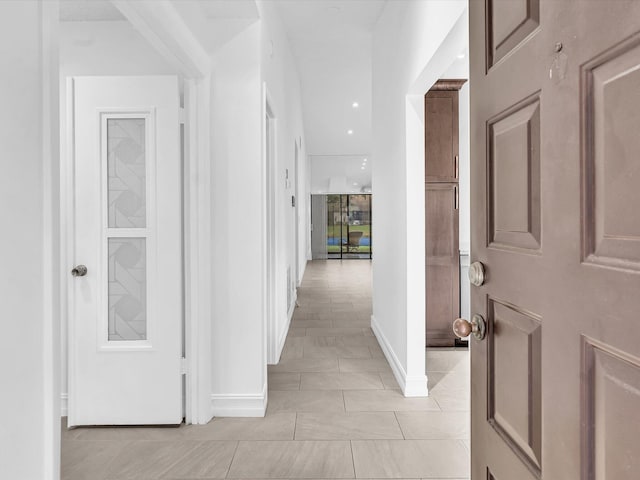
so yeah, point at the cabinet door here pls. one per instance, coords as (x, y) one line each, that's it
(441, 136)
(442, 262)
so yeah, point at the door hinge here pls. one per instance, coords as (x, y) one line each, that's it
(183, 366)
(182, 115)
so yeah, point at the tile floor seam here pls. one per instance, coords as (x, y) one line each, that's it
(235, 450)
(436, 402)
(295, 427)
(395, 414)
(353, 459)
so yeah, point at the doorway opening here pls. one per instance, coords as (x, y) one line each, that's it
(137, 193)
(349, 227)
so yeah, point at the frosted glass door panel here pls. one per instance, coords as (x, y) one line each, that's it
(127, 289)
(126, 172)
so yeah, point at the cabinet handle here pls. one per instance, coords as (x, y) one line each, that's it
(456, 165)
(455, 198)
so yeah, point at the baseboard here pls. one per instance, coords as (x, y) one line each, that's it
(64, 404)
(285, 330)
(411, 386)
(239, 405)
(292, 308)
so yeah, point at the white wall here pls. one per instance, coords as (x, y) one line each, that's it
(340, 174)
(107, 48)
(30, 435)
(238, 349)
(282, 81)
(417, 29)
(97, 48)
(258, 55)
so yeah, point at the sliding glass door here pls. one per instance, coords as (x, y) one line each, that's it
(349, 226)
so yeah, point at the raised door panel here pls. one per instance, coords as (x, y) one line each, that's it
(514, 380)
(508, 24)
(610, 393)
(441, 136)
(513, 139)
(442, 263)
(611, 113)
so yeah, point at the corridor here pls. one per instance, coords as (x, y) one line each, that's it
(335, 410)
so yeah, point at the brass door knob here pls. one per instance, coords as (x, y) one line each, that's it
(477, 326)
(476, 274)
(79, 271)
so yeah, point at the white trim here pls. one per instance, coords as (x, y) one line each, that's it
(67, 202)
(240, 404)
(269, 226)
(64, 404)
(285, 331)
(411, 386)
(197, 255)
(51, 291)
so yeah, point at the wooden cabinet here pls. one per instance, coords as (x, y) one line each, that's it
(441, 136)
(441, 212)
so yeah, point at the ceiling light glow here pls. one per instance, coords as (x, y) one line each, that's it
(461, 55)
(355, 104)
(349, 132)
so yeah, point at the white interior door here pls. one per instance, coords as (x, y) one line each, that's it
(125, 344)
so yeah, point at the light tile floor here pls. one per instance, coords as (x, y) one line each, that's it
(335, 409)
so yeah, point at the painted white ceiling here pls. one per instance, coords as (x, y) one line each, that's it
(340, 174)
(332, 44)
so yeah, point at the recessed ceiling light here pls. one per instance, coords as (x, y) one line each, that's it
(362, 167)
(355, 184)
(461, 55)
(365, 160)
(355, 104)
(349, 132)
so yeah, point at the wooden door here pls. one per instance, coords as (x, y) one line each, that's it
(442, 258)
(555, 102)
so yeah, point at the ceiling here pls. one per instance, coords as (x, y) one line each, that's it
(88, 11)
(332, 44)
(340, 174)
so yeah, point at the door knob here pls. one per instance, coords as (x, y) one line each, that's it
(477, 326)
(79, 271)
(476, 274)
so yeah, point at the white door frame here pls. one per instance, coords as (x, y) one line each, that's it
(296, 217)
(164, 29)
(269, 227)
